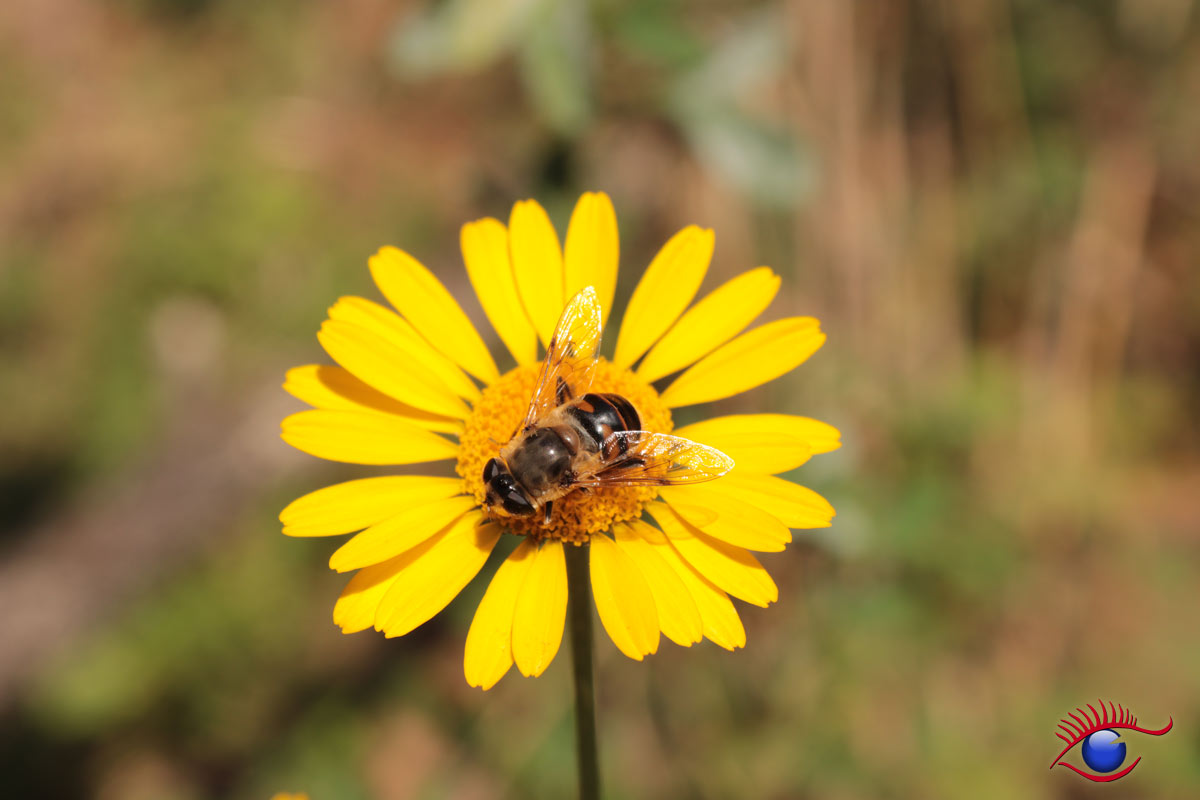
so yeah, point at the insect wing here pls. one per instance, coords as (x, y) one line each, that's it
(641, 458)
(570, 358)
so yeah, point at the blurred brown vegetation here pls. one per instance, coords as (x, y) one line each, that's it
(991, 205)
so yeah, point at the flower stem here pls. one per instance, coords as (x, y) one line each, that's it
(580, 609)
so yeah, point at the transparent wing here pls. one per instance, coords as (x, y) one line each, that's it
(570, 358)
(643, 458)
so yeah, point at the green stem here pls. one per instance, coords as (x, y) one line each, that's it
(580, 608)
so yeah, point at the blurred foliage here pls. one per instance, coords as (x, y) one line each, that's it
(557, 49)
(991, 206)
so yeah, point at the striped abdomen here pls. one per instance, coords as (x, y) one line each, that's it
(599, 416)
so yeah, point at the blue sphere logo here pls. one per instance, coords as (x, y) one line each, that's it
(1099, 733)
(1102, 751)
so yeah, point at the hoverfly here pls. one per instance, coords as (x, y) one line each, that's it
(572, 439)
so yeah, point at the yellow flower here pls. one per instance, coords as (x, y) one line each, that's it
(420, 386)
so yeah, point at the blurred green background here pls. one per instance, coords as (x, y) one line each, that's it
(991, 205)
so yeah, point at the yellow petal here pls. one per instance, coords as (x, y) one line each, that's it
(359, 437)
(489, 641)
(353, 505)
(541, 610)
(730, 568)
(666, 288)
(355, 609)
(400, 532)
(818, 436)
(716, 319)
(795, 506)
(719, 618)
(434, 573)
(592, 250)
(389, 369)
(485, 253)
(677, 614)
(396, 330)
(764, 443)
(728, 518)
(538, 265)
(432, 310)
(623, 599)
(324, 386)
(750, 360)
(762, 452)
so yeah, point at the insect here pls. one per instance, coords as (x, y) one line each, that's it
(572, 439)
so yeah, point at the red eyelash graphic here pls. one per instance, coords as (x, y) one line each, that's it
(1115, 716)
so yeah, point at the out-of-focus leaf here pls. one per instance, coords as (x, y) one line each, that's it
(200, 644)
(554, 61)
(757, 155)
(761, 161)
(751, 52)
(655, 30)
(460, 35)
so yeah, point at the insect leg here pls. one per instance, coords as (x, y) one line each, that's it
(546, 509)
(562, 392)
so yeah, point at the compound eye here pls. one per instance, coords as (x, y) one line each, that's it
(516, 504)
(490, 470)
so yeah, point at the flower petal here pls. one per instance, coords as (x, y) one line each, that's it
(796, 506)
(485, 253)
(355, 609)
(396, 330)
(541, 610)
(730, 568)
(432, 310)
(750, 360)
(623, 599)
(719, 618)
(398, 533)
(538, 265)
(489, 641)
(592, 250)
(353, 505)
(764, 443)
(434, 573)
(666, 288)
(716, 319)
(329, 387)
(728, 518)
(360, 437)
(677, 614)
(389, 369)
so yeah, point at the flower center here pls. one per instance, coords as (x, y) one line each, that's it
(578, 514)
